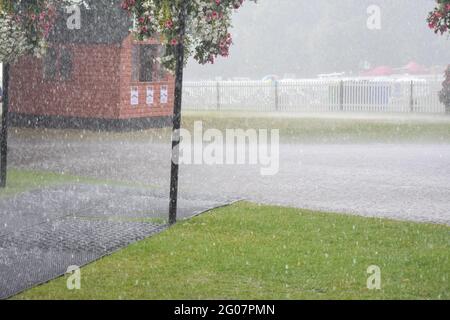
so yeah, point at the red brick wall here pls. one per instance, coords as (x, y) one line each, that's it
(92, 91)
(142, 109)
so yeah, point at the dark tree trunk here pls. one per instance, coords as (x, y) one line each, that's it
(4, 128)
(177, 115)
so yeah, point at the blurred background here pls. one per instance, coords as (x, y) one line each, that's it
(304, 39)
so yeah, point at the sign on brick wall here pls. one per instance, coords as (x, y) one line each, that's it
(150, 95)
(134, 96)
(164, 98)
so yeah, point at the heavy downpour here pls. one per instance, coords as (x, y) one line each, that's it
(236, 149)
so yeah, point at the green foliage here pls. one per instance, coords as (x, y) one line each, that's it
(444, 95)
(25, 26)
(207, 24)
(439, 18)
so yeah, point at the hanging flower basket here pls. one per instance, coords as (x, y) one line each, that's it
(439, 19)
(208, 22)
(25, 26)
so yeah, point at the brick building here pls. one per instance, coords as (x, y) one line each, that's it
(96, 77)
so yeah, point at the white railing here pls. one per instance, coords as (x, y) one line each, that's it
(359, 95)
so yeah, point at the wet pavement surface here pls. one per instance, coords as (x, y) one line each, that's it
(44, 231)
(400, 181)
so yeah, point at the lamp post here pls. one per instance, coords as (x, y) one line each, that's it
(4, 126)
(176, 139)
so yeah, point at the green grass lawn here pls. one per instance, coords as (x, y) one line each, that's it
(332, 129)
(23, 180)
(293, 128)
(247, 251)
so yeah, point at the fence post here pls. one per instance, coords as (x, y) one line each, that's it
(277, 102)
(218, 94)
(411, 97)
(341, 95)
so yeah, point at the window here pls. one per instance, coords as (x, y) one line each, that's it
(58, 64)
(51, 64)
(145, 67)
(147, 56)
(66, 64)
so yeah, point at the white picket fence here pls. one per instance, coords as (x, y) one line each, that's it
(360, 95)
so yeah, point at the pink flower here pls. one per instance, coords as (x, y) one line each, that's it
(169, 24)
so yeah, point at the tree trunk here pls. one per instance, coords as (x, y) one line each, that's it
(177, 115)
(4, 128)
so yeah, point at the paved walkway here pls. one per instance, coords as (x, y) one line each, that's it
(45, 231)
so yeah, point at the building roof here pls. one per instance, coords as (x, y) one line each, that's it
(415, 68)
(379, 71)
(102, 22)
